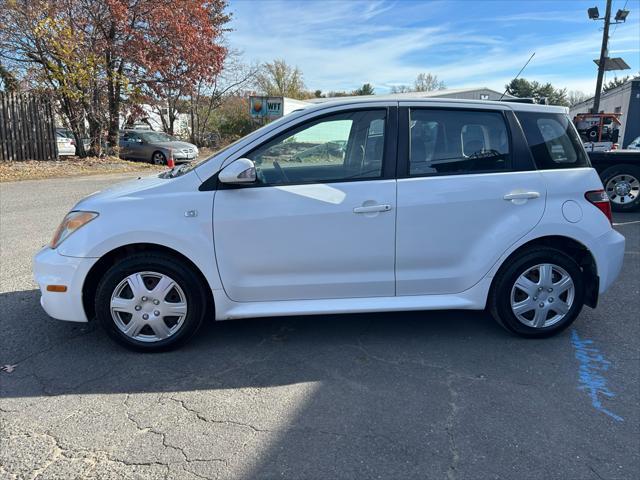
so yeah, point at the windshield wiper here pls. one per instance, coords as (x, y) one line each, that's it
(179, 169)
(171, 173)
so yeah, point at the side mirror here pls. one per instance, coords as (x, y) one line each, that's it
(138, 140)
(241, 171)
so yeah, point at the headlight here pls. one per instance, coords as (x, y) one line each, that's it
(72, 222)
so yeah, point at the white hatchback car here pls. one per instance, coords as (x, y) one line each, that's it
(354, 206)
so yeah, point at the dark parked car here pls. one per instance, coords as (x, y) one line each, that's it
(620, 174)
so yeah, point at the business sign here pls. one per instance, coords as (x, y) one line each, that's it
(266, 107)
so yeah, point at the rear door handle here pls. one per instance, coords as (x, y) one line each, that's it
(521, 195)
(372, 209)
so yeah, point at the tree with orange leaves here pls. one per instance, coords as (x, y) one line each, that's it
(93, 54)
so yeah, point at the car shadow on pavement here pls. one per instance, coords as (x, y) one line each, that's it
(60, 358)
(388, 395)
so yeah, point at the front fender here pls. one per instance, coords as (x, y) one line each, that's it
(156, 219)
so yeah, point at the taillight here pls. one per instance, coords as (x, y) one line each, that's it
(614, 146)
(600, 199)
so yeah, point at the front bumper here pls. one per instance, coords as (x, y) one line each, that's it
(608, 251)
(184, 157)
(51, 268)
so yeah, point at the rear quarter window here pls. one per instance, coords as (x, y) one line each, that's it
(553, 140)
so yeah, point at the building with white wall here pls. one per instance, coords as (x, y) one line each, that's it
(149, 117)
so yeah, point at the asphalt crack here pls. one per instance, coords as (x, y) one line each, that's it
(255, 429)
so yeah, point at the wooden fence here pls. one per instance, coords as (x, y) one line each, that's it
(27, 129)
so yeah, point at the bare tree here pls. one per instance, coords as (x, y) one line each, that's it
(280, 79)
(426, 82)
(401, 89)
(208, 96)
(576, 96)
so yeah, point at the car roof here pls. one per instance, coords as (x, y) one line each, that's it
(438, 101)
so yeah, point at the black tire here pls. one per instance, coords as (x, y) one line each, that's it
(609, 174)
(499, 302)
(189, 282)
(158, 158)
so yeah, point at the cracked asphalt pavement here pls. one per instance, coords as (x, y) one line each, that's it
(430, 395)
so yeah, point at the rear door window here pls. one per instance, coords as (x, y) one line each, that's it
(553, 140)
(457, 142)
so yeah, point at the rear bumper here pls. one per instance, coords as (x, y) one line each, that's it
(608, 251)
(51, 268)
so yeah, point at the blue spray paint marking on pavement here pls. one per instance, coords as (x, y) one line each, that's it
(591, 363)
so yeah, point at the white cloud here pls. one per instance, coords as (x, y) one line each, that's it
(341, 45)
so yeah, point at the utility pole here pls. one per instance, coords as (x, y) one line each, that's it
(603, 58)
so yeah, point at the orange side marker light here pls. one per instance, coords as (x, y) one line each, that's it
(57, 288)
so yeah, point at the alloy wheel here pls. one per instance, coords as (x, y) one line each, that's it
(623, 189)
(158, 158)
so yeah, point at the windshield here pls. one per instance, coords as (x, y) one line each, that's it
(157, 137)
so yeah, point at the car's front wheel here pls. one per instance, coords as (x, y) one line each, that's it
(537, 294)
(159, 158)
(150, 302)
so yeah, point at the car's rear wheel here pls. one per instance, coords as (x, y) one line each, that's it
(150, 302)
(159, 158)
(537, 294)
(622, 184)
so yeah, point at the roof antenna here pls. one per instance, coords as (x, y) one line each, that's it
(516, 77)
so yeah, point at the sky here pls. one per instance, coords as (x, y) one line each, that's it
(341, 44)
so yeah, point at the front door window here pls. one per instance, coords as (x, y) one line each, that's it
(340, 147)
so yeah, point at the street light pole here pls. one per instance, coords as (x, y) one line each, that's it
(603, 56)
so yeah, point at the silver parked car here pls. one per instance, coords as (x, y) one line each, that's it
(155, 147)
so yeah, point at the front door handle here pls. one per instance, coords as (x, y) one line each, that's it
(372, 209)
(521, 195)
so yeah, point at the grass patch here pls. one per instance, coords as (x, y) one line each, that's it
(11, 171)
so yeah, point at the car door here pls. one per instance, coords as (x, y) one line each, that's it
(123, 143)
(467, 191)
(136, 147)
(320, 221)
